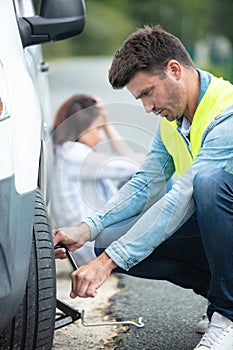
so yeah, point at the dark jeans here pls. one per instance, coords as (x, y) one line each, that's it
(213, 193)
(200, 254)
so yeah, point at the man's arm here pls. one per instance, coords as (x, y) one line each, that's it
(138, 194)
(137, 243)
(157, 224)
(164, 218)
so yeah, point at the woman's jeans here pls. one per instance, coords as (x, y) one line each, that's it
(200, 254)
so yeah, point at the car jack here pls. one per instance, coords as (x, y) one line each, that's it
(69, 314)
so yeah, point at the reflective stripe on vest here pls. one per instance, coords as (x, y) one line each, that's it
(218, 96)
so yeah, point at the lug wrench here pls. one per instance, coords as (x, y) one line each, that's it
(70, 311)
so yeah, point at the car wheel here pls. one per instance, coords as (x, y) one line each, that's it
(33, 326)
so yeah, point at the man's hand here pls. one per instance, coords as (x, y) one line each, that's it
(88, 278)
(72, 237)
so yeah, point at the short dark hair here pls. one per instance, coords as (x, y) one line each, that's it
(148, 49)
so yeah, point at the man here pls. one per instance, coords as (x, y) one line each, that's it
(186, 237)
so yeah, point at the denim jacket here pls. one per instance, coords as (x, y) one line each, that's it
(161, 217)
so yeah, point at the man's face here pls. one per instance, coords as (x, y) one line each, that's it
(165, 96)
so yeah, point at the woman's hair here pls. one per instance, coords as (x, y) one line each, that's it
(149, 49)
(73, 117)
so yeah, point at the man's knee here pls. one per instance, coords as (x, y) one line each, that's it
(206, 183)
(205, 179)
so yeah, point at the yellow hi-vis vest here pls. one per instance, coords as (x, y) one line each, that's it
(218, 96)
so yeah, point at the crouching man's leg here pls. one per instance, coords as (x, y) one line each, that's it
(213, 194)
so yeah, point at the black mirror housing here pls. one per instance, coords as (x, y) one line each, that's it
(57, 20)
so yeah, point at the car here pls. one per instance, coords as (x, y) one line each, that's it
(28, 277)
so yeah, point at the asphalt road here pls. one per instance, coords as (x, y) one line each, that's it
(170, 313)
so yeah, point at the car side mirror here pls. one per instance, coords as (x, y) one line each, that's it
(57, 20)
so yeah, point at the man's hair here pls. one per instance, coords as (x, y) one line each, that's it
(149, 49)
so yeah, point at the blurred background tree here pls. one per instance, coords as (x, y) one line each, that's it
(204, 26)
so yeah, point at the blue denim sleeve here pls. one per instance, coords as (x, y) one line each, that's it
(162, 219)
(157, 224)
(138, 194)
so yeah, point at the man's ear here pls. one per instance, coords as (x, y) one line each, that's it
(174, 68)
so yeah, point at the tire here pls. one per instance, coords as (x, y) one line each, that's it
(33, 326)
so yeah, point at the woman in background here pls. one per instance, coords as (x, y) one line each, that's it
(85, 178)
